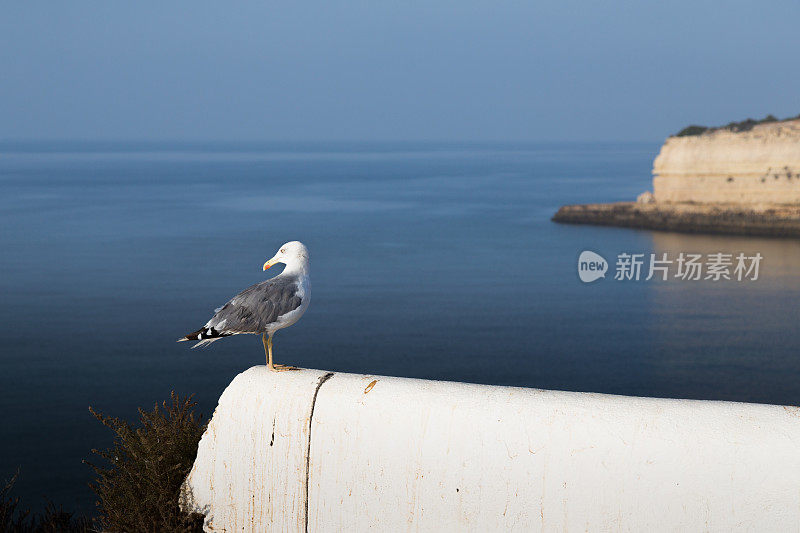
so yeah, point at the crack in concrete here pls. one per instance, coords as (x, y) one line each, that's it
(322, 380)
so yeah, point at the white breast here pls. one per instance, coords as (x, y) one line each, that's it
(284, 321)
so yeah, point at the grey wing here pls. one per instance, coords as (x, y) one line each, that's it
(259, 305)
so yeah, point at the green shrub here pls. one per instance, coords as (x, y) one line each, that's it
(691, 130)
(743, 125)
(139, 488)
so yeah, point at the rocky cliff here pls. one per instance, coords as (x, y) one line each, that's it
(757, 167)
(726, 219)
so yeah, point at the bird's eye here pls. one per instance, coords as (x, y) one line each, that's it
(283, 250)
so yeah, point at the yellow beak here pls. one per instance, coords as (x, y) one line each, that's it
(269, 263)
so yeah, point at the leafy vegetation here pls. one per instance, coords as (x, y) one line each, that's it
(744, 125)
(691, 130)
(139, 487)
(138, 484)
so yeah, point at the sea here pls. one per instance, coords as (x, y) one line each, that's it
(428, 260)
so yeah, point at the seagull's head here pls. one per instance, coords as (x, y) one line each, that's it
(293, 254)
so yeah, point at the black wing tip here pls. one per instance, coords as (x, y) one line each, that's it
(197, 335)
(204, 334)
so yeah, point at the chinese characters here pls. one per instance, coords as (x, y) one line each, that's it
(689, 267)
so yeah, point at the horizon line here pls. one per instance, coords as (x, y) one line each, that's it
(190, 141)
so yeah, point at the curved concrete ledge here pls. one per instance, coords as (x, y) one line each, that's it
(315, 451)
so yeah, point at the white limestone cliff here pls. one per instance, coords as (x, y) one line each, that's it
(760, 166)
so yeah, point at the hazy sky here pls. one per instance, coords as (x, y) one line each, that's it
(346, 70)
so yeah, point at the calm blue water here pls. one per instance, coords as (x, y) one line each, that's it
(431, 261)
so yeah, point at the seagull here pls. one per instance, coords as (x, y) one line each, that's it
(265, 307)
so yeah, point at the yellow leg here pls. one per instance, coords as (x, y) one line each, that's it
(268, 350)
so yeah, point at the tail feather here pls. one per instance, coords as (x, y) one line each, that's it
(205, 335)
(205, 342)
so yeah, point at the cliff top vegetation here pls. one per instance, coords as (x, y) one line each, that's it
(744, 125)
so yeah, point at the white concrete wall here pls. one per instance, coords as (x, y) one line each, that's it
(415, 455)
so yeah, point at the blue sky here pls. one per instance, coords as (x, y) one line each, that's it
(460, 70)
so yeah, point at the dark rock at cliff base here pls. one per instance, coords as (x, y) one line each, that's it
(780, 221)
